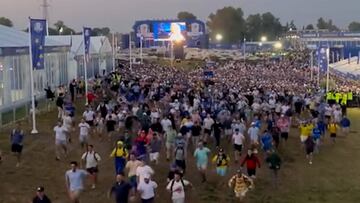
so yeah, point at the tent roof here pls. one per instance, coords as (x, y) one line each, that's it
(12, 38)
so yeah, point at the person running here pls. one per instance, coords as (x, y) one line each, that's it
(201, 155)
(252, 161)
(131, 167)
(253, 133)
(84, 133)
(177, 188)
(170, 135)
(217, 129)
(100, 125)
(40, 197)
(146, 189)
(91, 160)
(284, 124)
(316, 134)
(309, 148)
(208, 123)
(89, 116)
(120, 155)
(195, 133)
(345, 125)
(16, 139)
(274, 162)
(67, 124)
(75, 181)
(266, 141)
(241, 184)
(60, 140)
(332, 128)
(180, 152)
(155, 148)
(122, 190)
(110, 124)
(238, 140)
(143, 170)
(222, 162)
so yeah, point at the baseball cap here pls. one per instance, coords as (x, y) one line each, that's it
(119, 142)
(40, 189)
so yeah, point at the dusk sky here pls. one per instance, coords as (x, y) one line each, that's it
(120, 15)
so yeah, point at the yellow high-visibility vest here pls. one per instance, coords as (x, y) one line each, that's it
(349, 96)
(329, 96)
(337, 97)
(344, 99)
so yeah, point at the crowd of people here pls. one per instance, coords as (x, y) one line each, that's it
(236, 119)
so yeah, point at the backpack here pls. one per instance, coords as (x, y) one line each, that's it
(172, 185)
(220, 160)
(182, 150)
(85, 158)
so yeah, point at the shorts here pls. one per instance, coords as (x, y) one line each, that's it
(201, 166)
(333, 135)
(60, 142)
(92, 170)
(16, 148)
(133, 181)
(83, 139)
(241, 193)
(179, 200)
(309, 151)
(76, 193)
(251, 172)
(91, 123)
(284, 135)
(221, 171)
(238, 147)
(303, 138)
(207, 131)
(151, 200)
(154, 156)
(169, 145)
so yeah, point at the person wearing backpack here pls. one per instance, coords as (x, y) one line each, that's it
(16, 139)
(180, 156)
(222, 162)
(91, 160)
(177, 188)
(120, 154)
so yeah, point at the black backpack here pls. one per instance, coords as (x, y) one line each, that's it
(172, 185)
(85, 158)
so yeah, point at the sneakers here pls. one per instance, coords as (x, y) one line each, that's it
(93, 186)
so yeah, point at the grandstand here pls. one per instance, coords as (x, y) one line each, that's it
(349, 68)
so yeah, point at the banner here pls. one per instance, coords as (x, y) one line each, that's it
(37, 40)
(87, 33)
(323, 57)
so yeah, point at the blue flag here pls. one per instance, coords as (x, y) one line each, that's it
(323, 58)
(87, 33)
(37, 36)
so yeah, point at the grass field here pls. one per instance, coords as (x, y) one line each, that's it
(333, 177)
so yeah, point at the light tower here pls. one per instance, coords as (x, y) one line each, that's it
(45, 6)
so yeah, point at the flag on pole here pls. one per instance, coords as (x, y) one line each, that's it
(87, 33)
(349, 59)
(37, 37)
(323, 58)
(358, 59)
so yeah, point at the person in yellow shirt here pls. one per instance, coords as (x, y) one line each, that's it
(303, 132)
(222, 162)
(120, 154)
(332, 128)
(241, 184)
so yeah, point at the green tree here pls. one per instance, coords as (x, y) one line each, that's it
(6, 22)
(327, 25)
(354, 26)
(292, 25)
(310, 27)
(105, 31)
(254, 27)
(229, 22)
(62, 29)
(271, 26)
(184, 15)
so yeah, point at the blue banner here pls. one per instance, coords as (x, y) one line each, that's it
(323, 57)
(87, 33)
(37, 37)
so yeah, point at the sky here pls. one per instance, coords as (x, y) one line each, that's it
(120, 15)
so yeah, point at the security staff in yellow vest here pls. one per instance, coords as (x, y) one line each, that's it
(338, 97)
(344, 99)
(349, 96)
(328, 96)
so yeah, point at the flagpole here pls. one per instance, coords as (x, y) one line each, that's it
(327, 69)
(130, 51)
(312, 66)
(85, 69)
(34, 130)
(141, 50)
(113, 50)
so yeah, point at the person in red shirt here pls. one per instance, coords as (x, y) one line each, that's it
(90, 97)
(252, 162)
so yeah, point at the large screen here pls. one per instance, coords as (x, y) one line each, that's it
(163, 30)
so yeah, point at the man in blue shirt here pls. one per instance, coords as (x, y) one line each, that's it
(266, 141)
(75, 181)
(316, 134)
(345, 125)
(16, 139)
(121, 189)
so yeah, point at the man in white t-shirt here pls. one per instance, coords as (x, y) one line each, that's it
(208, 123)
(177, 188)
(253, 133)
(91, 160)
(84, 133)
(67, 124)
(146, 189)
(60, 140)
(89, 116)
(238, 141)
(142, 171)
(166, 123)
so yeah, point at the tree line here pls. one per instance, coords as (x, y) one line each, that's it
(229, 22)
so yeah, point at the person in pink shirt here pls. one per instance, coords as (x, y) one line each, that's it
(283, 124)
